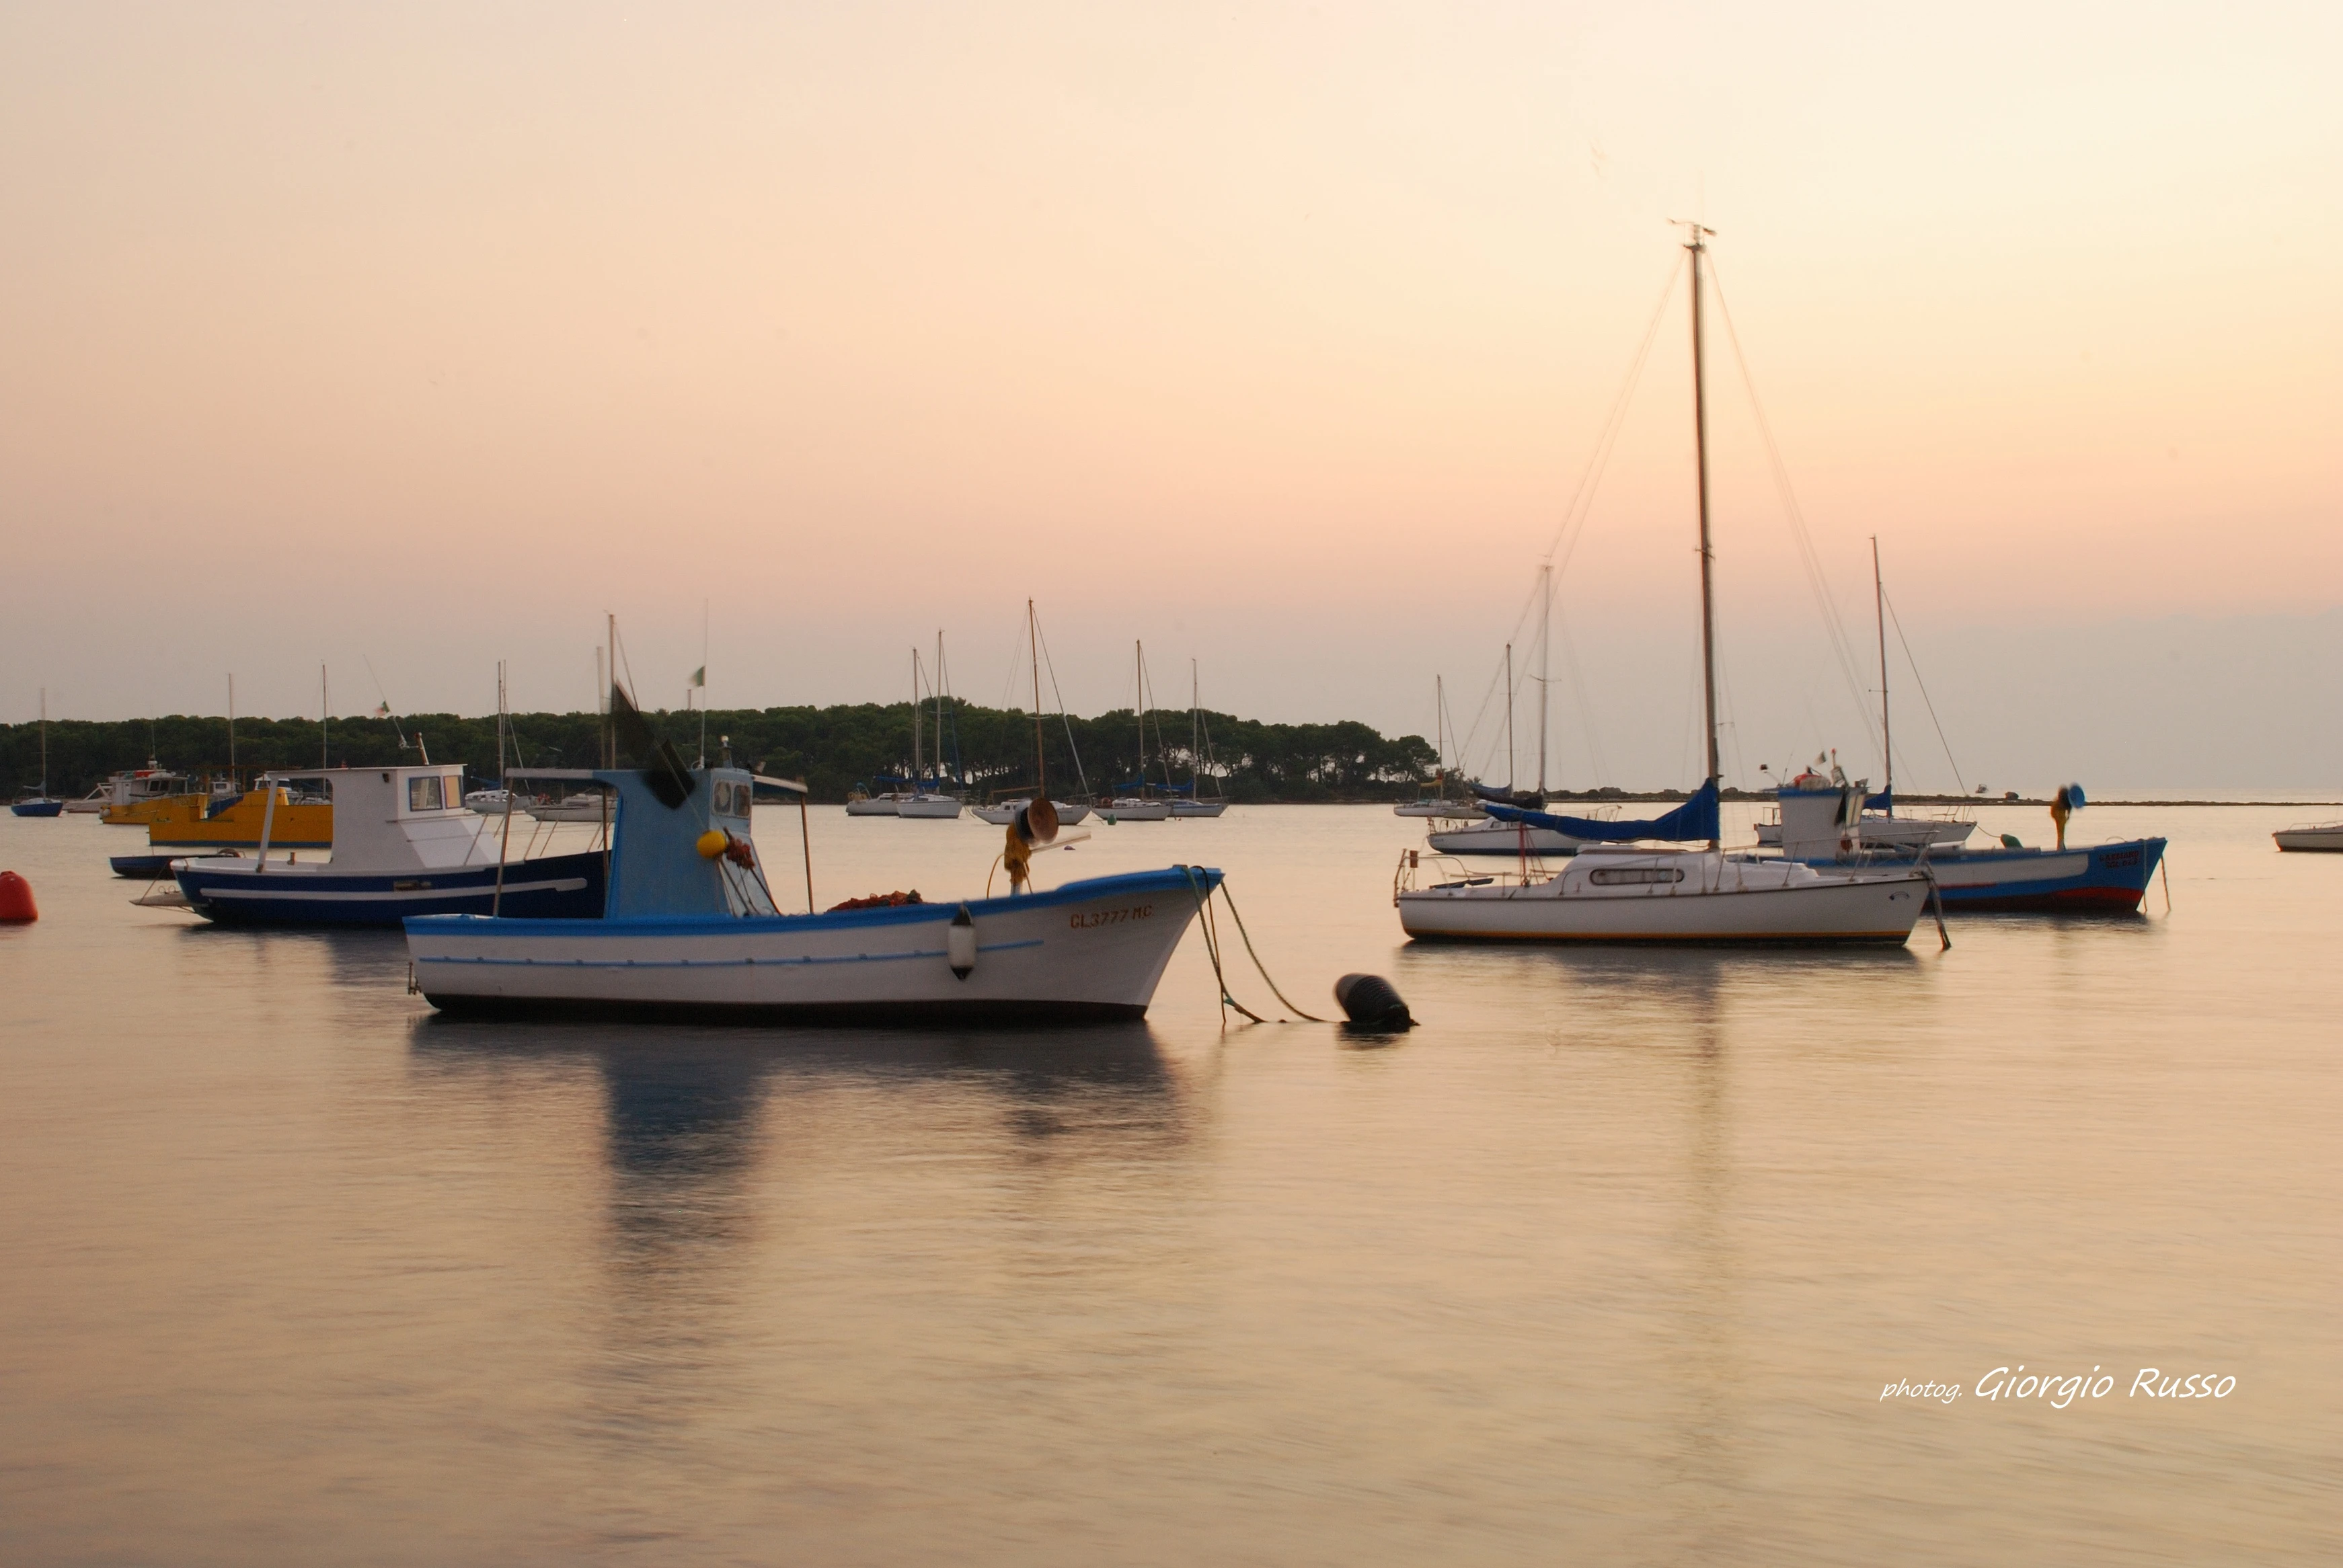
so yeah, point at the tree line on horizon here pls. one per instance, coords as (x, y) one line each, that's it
(835, 750)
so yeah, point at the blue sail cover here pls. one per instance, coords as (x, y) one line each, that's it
(1883, 801)
(1486, 793)
(1696, 818)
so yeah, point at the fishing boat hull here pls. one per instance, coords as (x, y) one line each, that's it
(2328, 839)
(199, 824)
(553, 888)
(1090, 949)
(1889, 832)
(1512, 839)
(1717, 902)
(2108, 878)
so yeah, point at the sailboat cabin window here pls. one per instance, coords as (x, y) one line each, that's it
(1635, 875)
(424, 794)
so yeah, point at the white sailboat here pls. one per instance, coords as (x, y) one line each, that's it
(1200, 745)
(1667, 896)
(927, 800)
(1143, 807)
(1000, 813)
(1437, 803)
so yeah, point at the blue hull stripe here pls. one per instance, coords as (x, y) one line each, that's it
(718, 963)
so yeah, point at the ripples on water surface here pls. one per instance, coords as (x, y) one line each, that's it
(1608, 1262)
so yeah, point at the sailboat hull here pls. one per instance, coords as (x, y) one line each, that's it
(933, 808)
(1086, 950)
(1716, 902)
(1198, 807)
(1509, 839)
(1136, 811)
(38, 807)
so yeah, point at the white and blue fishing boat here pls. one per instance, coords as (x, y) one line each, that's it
(692, 930)
(404, 844)
(1828, 829)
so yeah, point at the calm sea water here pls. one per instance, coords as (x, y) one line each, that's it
(1609, 1261)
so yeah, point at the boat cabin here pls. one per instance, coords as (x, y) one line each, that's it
(402, 819)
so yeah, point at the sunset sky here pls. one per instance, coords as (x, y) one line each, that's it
(1276, 336)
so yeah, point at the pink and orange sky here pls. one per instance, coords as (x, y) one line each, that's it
(1276, 336)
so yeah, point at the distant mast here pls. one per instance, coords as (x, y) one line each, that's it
(1696, 245)
(1879, 612)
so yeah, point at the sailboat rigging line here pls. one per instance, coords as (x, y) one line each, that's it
(1257, 964)
(1582, 500)
(1842, 648)
(1897, 622)
(1080, 776)
(378, 691)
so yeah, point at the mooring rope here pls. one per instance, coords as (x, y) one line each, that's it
(1213, 947)
(1257, 964)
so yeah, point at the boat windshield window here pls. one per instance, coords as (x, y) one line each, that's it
(1632, 876)
(423, 793)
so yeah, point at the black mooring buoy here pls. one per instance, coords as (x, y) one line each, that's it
(1370, 1002)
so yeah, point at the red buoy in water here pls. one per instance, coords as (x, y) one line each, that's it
(16, 899)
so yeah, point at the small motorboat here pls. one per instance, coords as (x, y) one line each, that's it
(1198, 807)
(862, 803)
(691, 930)
(2324, 837)
(496, 802)
(931, 806)
(1135, 808)
(579, 806)
(1001, 813)
(136, 797)
(1452, 810)
(404, 844)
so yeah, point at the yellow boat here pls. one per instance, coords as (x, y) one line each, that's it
(294, 825)
(148, 795)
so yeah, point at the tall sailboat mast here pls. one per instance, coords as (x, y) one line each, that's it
(1139, 701)
(1509, 753)
(1546, 636)
(1440, 735)
(1696, 245)
(1879, 612)
(915, 721)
